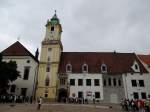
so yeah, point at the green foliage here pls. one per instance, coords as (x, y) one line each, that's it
(8, 73)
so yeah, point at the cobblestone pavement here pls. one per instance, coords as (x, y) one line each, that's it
(59, 108)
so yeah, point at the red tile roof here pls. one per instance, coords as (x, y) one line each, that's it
(17, 49)
(116, 62)
(145, 59)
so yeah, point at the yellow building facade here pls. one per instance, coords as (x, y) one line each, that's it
(51, 49)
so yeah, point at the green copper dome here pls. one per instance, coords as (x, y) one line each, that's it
(54, 19)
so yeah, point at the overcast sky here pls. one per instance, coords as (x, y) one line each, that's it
(88, 25)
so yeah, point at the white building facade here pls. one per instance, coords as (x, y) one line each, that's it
(27, 65)
(87, 86)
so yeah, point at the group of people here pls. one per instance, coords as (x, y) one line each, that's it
(135, 105)
(15, 99)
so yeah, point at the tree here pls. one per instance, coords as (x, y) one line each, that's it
(8, 73)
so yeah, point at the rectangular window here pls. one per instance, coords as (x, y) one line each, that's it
(23, 91)
(134, 84)
(72, 82)
(46, 95)
(114, 81)
(26, 73)
(136, 95)
(109, 81)
(143, 95)
(80, 94)
(80, 82)
(13, 88)
(141, 83)
(97, 94)
(119, 82)
(88, 82)
(96, 82)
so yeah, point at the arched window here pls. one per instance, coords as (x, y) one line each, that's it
(103, 68)
(68, 68)
(84, 68)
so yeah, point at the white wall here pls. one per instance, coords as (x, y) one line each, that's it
(20, 82)
(84, 88)
(128, 85)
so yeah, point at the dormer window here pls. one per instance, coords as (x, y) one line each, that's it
(103, 68)
(52, 28)
(84, 68)
(68, 68)
(135, 67)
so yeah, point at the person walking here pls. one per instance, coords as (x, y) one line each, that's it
(39, 103)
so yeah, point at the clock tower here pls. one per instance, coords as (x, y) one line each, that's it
(51, 49)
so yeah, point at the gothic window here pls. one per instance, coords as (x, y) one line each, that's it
(26, 72)
(103, 68)
(68, 68)
(84, 68)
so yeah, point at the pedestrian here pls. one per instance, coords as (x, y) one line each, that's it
(39, 103)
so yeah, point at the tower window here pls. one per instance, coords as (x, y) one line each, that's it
(47, 69)
(52, 28)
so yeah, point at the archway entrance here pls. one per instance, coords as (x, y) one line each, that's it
(62, 95)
